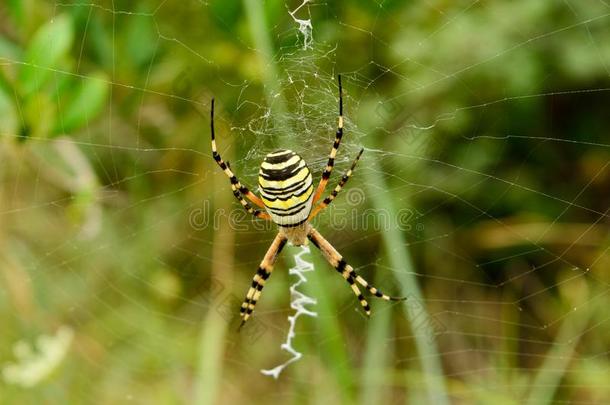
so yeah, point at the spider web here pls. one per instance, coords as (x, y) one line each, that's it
(126, 233)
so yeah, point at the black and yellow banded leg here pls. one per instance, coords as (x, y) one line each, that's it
(260, 278)
(239, 190)
(257, 213)
(347, 271)
(373, 290)
(333, 152)
(337, 189)
(356, 290)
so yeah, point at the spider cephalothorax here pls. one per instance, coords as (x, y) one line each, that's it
(289, 200)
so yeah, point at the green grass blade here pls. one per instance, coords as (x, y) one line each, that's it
(400, 260)
(376, 357)
(333, 349)
(262, 42)
(549, 375)
(211, 351)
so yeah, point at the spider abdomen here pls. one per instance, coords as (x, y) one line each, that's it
(286, 187)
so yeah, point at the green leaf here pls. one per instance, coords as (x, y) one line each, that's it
(9, 50)
(16, 10)
(39, 113)
(86, 101)
(9, 121)
(44, 53)
(141, 41)
(226, 14)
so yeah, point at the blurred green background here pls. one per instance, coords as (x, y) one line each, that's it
(482, 196)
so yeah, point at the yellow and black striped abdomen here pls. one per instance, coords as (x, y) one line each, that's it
(286, 187)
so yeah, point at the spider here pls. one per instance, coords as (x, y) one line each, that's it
(289, 200)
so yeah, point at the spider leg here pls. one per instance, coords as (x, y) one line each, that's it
(261, 276)
(337, 189)
(239, 190)
(336, 260)
(333, 151)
